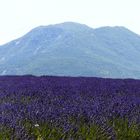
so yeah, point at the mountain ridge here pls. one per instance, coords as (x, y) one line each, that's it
(73, 49)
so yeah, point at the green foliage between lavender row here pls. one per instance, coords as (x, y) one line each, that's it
(118, 129)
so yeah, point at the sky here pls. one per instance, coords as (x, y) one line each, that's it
(17, 17)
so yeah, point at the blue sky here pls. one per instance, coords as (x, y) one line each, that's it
(20, 16)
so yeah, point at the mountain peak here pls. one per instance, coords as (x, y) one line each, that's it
(72, 26)
(69, 23)
(117, 28)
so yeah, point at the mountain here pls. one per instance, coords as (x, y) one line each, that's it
(73, 49)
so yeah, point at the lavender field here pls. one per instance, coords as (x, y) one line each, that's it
(67, 108)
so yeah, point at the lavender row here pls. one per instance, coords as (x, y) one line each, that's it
(55, 99)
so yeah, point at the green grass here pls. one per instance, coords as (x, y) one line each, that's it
(121, 129)
(125, 130)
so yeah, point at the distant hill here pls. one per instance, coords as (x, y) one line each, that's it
(73, 49)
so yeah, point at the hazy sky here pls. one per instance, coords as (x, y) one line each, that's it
(17, 17)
